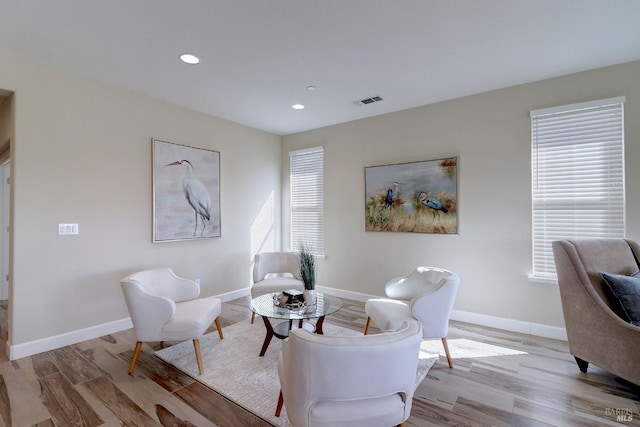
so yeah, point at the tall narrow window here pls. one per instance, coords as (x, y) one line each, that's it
(307, 199)
(577, 169)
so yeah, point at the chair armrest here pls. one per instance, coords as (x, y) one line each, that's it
(422, 279)
(183, 289)
(394, 289)
(179, 288)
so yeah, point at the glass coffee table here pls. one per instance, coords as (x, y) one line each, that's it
(292, 318)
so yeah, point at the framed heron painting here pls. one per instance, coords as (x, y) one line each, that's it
(186, 192)
(415, 197)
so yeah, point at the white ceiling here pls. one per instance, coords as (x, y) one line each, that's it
(259, 56)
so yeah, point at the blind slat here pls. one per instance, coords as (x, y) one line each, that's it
(307, 200)
(577, 170)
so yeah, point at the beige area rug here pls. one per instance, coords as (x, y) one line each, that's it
(234, 369)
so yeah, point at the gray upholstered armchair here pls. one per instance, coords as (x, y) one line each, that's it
(596, 333)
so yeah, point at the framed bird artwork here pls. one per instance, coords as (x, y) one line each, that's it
(414, 197)
(186, 192)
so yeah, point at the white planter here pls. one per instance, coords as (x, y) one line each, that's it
(309, 296)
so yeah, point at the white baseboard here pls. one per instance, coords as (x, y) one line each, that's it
(535, 329)
(512, 325)
(30, 348)
(45, 344)
(234, 294)
(50, 343)
(341, 293)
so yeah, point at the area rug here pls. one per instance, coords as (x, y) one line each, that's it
(234, 369)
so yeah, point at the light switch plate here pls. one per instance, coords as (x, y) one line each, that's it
(67, 229)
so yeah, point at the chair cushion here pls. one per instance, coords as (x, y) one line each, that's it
(379, 411)
(192, 318)
(275, 284)
(388, 314)
(624, 295)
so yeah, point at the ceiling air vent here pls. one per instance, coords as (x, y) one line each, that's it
(368, 101)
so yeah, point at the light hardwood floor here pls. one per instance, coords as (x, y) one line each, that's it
(87, 384)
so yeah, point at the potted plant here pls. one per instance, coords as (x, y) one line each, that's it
(307, 268)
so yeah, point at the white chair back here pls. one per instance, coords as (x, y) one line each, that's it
(164, 282)
(421, 280)
(344, 375)
(274, 263)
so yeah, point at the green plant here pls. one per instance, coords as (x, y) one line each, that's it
(307, 267)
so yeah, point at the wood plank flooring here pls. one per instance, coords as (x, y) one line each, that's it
(529, 381)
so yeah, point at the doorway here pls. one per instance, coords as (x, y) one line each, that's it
(5, 208)
(7, 120)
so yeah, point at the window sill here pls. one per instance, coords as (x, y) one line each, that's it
(546, 280)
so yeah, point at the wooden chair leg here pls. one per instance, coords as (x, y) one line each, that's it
(134, 359)
(219, 328)
(366, 327)
(280, 402)
(253, 316)
(446, 350)
(196, 347)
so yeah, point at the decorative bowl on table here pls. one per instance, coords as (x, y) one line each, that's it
(285, 300)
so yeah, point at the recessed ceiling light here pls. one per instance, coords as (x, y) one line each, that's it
(297, 106)
(188, 58)
(311, 88)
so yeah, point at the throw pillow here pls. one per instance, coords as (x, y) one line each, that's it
(624, 295)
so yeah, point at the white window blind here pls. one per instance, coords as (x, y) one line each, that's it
(307, 200)
(577, 176)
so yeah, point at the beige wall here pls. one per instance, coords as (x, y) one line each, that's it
(82, 154)
(490, 134)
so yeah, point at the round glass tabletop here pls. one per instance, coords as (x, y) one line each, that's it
(325, 305)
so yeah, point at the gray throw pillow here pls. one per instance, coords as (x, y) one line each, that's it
(624, 295)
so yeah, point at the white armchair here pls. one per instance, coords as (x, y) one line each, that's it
(275, 272)
(165, 307)
(363, 381)
(426, 294)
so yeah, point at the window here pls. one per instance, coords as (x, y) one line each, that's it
(307, 200)
(577, 155)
